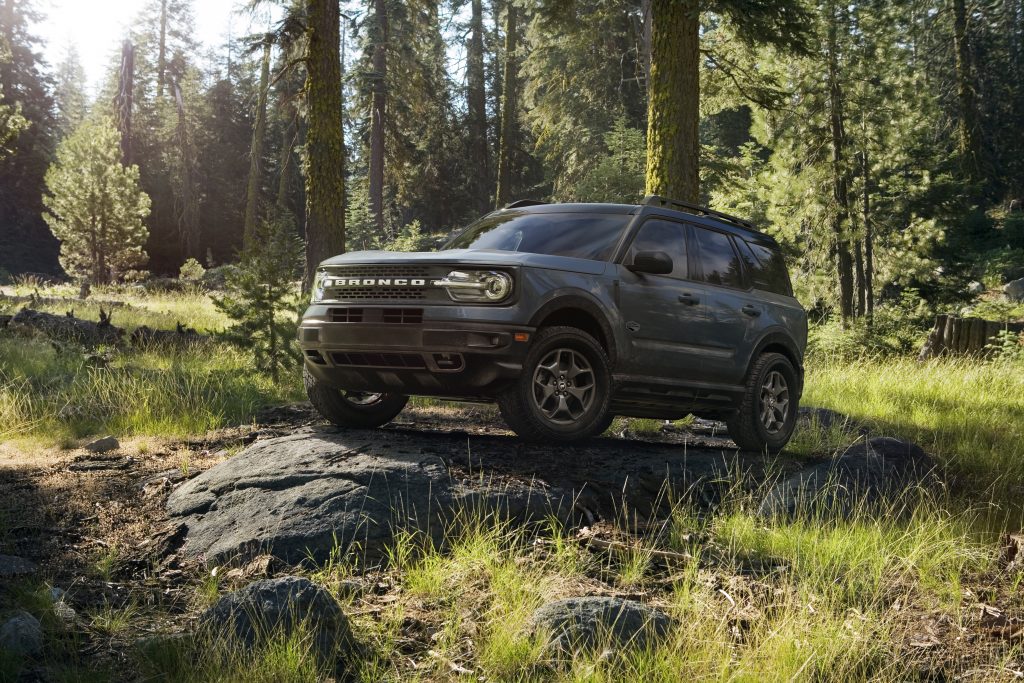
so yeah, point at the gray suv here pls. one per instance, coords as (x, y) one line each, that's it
(567, 315)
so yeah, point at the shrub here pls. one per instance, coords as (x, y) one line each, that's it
(191, 270)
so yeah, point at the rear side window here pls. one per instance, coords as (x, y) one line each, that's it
(666, 236)
(577, 235)
(718, 259)
(767, 268)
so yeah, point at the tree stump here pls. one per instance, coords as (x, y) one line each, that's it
(953, 336)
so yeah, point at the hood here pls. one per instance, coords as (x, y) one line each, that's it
(468, 257)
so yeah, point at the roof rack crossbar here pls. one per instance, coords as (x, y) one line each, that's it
(524, 202)
(655, 200)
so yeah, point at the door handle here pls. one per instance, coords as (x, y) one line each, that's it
(688, 299)
(752, 311)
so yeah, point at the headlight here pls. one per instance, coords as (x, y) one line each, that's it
(477, 285)
(317, 294)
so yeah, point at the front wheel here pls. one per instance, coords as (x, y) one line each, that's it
(767, 414)
(564, 390)
(353, 409)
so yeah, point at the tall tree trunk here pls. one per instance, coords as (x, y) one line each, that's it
(645, 39)
(123, 100)
(284, 178)
(325, 141)
(858, 277)
(969, 137)
(869, 238)
(378, 113)
(161, 56)
(188, 215)
(476, 106)
(496, 81)
(509, 106)
(840, 176)
(673, 99)
(256, 150)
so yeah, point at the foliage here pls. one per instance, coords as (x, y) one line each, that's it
(95, 207)
(261, 298)
(618, 176)
(191, 270)
(409, 238)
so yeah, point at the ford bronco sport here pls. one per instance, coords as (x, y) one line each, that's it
(567, 315)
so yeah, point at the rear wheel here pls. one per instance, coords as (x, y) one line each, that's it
(563, 392)
(767, 414)
(353, 409)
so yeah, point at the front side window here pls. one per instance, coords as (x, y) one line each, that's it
(720, 264)
(666, 236)
(577, 235)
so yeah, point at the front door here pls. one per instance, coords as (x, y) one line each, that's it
(662, 313)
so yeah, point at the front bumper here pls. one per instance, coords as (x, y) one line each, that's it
(385, 352)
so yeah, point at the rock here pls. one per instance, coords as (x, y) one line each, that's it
(975, 288)
(11, 566)
(300, 496)
(827, 419)
(279, 606)
(587, 622)
(107, 443)
(100, 464)
(22, 634)
(868, 473)
(64, 611)
(57, 594)
(1014, 290)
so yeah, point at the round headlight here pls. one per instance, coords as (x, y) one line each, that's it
(497, 286)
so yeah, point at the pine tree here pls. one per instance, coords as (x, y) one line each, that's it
(94, 206)
(69, 93)
(11, 120)
(262, 295)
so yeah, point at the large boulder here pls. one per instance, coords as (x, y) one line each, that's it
(1014, 290)
(278, 607)
(21, 634)
(865, 475)
(301, 496)
(584, 623)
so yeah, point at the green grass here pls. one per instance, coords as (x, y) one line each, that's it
(969, 414)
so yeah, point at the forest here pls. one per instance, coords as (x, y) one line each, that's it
(173, 508)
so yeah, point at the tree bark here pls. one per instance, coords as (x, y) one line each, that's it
(968, 134)
(509, 106)
(161, 57)
(869, 241)
(378, 113)
(858, 277)
(673, 101)
(188, 216)
(476, 104)
(840, 177)
(325, 141)
(256, 150)
(123, 101)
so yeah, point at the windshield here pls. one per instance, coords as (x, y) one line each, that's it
(576, 235)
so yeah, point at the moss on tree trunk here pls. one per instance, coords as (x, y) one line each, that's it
(325, 142)
(673, 109)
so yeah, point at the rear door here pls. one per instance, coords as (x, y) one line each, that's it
(734, 312)
(662, 313)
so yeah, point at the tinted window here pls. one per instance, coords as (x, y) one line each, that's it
(666, 236)
(767, 268)
(578, 235)
(718, 259)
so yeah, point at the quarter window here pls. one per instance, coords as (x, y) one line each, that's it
(720, 264)
(767, 268)
(666, 236)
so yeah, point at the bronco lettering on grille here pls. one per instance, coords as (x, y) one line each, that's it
(378, 281)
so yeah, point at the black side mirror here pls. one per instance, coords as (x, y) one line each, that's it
(652, 262)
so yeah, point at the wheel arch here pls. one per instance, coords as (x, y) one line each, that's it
(582, 313)
(782, 343)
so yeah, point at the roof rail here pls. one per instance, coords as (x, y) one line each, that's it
(524, 202)
(655, 200)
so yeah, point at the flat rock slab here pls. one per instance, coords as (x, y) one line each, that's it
(587, 622)
(11, 566)
(299, 496)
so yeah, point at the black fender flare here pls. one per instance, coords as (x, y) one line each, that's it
(778, 337)
(576, 300)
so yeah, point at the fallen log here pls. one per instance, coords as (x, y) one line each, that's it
(69, 328)
(955, 336)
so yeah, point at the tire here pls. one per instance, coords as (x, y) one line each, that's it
(543, 404)
(352, 409)
(764, 423)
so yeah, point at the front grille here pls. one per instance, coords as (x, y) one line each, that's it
(385, 316)
(380, 360)
(346, 315)
(375, 293)
(402, 316)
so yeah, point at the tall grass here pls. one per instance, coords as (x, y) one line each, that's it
(969, 414)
